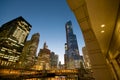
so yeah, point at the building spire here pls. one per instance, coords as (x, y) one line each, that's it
(45, 45)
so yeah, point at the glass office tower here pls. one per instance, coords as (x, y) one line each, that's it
(72, 56)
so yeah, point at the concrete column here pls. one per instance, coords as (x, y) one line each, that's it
(98, 63)
(116, 69)
(99, 66)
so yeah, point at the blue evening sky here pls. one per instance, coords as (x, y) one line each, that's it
(48, 17)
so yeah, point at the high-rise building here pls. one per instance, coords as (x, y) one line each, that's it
(72, 56)
(86, 58)
(54, 60)
(61, 66)
(13, 35)
(28, 56)
(43, 62)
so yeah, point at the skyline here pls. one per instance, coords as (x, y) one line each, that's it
(46, 17)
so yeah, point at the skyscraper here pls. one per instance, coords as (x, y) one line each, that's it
(28, 56)
(43, 61)
(13, 35)
(72, 57)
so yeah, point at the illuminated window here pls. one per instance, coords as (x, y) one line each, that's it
(19, 33)
(15, 33)
(6, 56)
(7, 63)
(2, 63)
(1, 55)
(22, 37)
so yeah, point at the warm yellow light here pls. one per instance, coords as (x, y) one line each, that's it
(102, 31)
(103, 25)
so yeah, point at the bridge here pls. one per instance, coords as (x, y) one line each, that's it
(29, 73)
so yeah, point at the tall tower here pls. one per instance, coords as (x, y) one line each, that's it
(27, 58)
(13, 35)
(72, 57)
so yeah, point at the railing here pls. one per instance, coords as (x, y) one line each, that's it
(19, 72)
(28, 73)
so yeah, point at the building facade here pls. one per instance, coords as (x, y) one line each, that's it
(72, 56)
(43, 61)
(86, 58)
(28, 56)
(61, 66)
(54, 60)
(13, 35)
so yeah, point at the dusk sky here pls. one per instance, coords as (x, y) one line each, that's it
(48, 17)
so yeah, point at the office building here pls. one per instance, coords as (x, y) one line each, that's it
(54, 60)
(72, 56)
(43, 62)
(13, 35)
(28, 56)
(86, 58)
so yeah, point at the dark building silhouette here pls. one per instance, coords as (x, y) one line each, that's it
(72, 57)
(13, 35)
